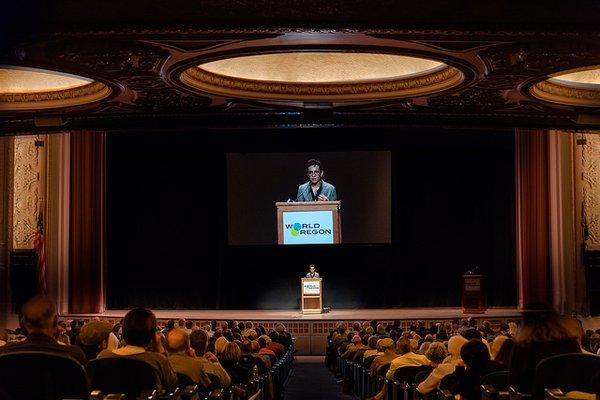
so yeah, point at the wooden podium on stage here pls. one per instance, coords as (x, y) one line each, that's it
(474, 299)
(311, 222)
(311, 299)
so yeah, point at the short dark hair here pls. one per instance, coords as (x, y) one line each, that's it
(199, 341)
(475, 354)
(139, 327)
(313, 161)
(39, 312)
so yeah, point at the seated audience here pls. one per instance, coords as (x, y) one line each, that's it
(139, 333)
(240, 375)
(40, 320)
(275, 346)
(353, 347)
(249, 361)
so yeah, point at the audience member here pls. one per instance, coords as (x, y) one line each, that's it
(94, 337)
(542, 335)
(139, 332)
(386, 346)
(210, 362)
(40, 320)
(447, 367)
(183, 357)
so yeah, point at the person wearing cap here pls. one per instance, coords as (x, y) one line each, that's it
(372, 350)
(40, 319)
(386, 346)
(93, 338)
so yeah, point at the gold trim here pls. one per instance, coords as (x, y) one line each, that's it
(566, 94)
(54, 99)
(436, 81)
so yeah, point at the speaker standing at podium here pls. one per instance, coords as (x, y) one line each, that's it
(312, 272)
(316, 189)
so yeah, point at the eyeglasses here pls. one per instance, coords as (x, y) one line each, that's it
(313, 173)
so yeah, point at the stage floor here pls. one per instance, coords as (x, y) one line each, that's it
(335, 315)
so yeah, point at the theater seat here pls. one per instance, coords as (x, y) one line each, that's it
(567, 372)
(123, 375)
(38, 375)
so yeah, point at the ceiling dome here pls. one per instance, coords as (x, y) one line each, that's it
(578, 87)
(32, 88)
(318, 76)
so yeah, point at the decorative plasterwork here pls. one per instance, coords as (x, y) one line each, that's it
(563, 93)
(591, 190)
(436, 81)
(88, 93)
(27, 190)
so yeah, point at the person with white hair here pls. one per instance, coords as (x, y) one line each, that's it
(432, 382)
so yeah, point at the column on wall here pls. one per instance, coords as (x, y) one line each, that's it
(568, 284)
(57, 218)
(87, 255)
(5, 307)
(534, 275)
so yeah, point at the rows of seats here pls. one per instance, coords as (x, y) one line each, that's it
(37, 375)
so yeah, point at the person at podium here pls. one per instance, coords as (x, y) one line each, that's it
(316, 189)
(312, 272)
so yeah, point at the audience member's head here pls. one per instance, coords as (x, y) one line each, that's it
(178, 341)
(386, 344)
(496, 345)
(541, 324)
(403, 346)
(471, 333)
(220, 344)
(231, 353)
(93, 337)
(39, 316)
(139, 327)
(373, 342)
(246, 347)
(199, 342)
(475, 354)
(436, 352)
(455, 344)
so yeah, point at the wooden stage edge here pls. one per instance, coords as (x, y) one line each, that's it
(334, 315)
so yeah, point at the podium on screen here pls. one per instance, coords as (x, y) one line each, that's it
(315, 222)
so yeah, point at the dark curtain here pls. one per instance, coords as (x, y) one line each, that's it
(533, 236)
(87, 244)
(453, 208)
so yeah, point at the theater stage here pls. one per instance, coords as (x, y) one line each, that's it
(311, 330)
(428, 314)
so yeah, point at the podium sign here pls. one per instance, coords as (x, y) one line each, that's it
(314, 222)
(311, 295)
(307, 227)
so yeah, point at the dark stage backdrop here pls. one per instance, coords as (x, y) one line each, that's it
(452, 208)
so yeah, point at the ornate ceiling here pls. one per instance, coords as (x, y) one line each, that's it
(496, 66)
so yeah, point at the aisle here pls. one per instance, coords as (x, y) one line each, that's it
(309, 379)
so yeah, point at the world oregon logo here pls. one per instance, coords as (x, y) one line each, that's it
(297, 229)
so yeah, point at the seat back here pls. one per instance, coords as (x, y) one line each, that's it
(574, 371)
(369, 361)
(123, 375)
(421, 376)
(183, 380)
(499, 380)
(407, 374)
(36, 375)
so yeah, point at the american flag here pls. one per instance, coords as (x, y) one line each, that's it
(40, 249)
